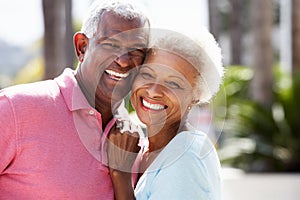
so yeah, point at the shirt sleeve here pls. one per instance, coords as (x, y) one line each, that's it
(8, 135)
(187, 178)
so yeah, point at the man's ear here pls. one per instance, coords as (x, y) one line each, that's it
(80, 45)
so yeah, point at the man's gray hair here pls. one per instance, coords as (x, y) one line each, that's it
(126, 9)
(201, 50)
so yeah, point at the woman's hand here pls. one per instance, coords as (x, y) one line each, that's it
(122, 145)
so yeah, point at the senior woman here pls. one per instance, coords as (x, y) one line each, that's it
(178, 162)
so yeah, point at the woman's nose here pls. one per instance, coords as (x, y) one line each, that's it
(155, 90)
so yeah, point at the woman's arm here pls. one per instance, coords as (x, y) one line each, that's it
(122, 185)
(122, 151)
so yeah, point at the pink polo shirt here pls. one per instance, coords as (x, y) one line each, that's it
(50, 143)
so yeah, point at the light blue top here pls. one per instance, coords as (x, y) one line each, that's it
(187, 168)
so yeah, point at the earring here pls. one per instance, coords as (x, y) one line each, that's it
(189, 108)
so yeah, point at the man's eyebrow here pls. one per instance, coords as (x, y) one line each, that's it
(140, 45)
(140, 42)
(110, 39)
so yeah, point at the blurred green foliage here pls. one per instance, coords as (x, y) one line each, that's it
(256, 138)
(33, 71)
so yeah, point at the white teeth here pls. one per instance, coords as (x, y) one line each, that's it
(152, 106)
(116, 74)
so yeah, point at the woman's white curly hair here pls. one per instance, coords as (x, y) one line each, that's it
(123, 8)
(201, 50)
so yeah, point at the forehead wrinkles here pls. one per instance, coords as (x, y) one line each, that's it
(163, 69)
(158, 56)
(131, 36)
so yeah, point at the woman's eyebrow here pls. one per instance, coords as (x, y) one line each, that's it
(147, 67)
(178, 77)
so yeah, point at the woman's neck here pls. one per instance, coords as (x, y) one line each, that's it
(160, 136)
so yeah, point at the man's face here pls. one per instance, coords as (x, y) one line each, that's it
(111, 58)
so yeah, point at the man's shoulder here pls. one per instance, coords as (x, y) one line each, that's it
(29, 90)
(39, 89)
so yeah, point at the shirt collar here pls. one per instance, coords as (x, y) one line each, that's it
(74, 97)
(71, 91)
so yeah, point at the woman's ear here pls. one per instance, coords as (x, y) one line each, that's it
(195, 102)
(80, 45)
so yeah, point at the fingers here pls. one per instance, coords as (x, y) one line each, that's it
(123, 147)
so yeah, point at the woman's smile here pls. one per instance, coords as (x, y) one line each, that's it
(151, 105)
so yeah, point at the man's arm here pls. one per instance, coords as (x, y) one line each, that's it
(8, 146)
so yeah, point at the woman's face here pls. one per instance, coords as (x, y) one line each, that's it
(163, 89)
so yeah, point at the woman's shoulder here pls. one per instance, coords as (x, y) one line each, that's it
(194, 141)
(187, 146)
(191, 158)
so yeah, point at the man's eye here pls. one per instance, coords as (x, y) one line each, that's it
(108, 45)
(136, 52)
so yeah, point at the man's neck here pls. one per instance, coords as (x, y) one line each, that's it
(105, 110)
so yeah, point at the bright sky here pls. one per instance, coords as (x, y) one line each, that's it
(21, 22)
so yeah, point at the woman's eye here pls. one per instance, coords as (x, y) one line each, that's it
(174, 85)
(146, 75)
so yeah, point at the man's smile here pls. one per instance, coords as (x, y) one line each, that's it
(116, 75)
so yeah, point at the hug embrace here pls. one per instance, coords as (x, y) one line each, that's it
(72, 138)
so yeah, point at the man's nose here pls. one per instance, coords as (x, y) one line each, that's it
(124, 60)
